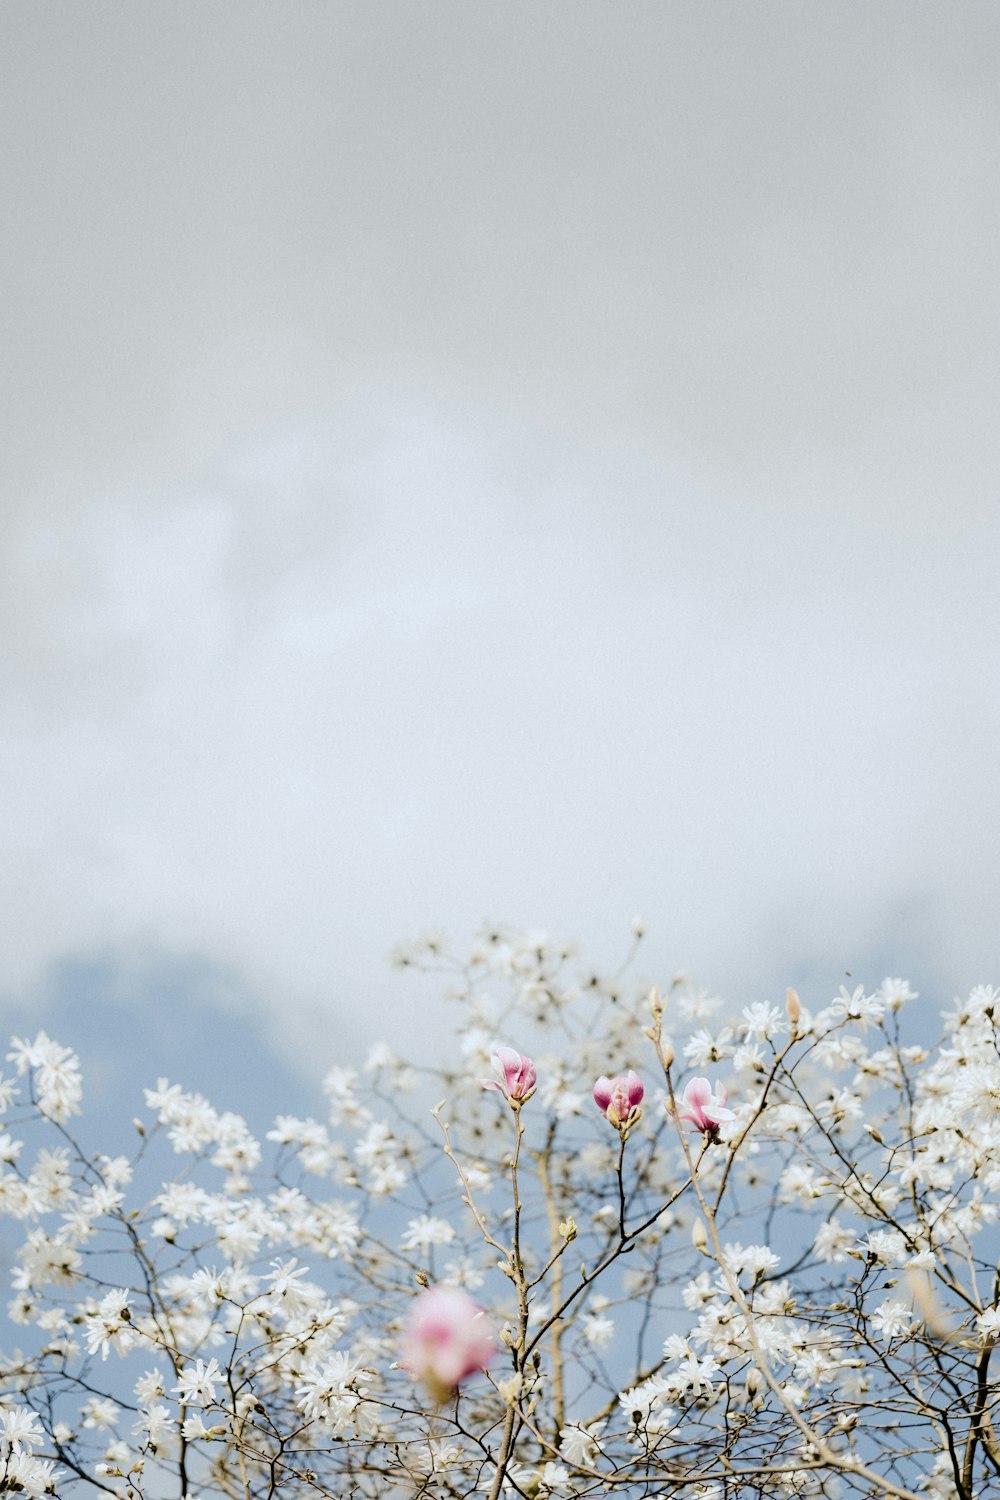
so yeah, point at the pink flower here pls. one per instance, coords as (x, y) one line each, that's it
(447, 1337)
(704, 1106)
(619, 1098)
(518, 1075)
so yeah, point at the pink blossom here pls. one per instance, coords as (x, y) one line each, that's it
(619, 1097)
(518, 1075)
(704, 1106)
(447, 1337)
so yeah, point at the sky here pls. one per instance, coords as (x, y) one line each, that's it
(534, 464)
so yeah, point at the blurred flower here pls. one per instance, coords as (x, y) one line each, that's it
(518, 1075)
(619, 1098)
(447, 1338)
(704, 1106)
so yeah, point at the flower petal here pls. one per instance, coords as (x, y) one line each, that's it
(507, 1061)
(527, 1077)
(603, 1089)
(697, 1093)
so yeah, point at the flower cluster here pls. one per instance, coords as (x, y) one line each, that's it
(775, 1275)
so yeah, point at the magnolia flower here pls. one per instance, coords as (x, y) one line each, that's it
(518, 1075)
(704, 1106)
(447, 1338)
(619, 1098)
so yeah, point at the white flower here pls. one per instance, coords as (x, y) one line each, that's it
(10, 1149)
(333, 1392)
(703, 1048)
(20, 1425)
(288, 1282)
(598, 1329)
(839, 1106)
(183, 1202)
(833, 1241)
(100, 1413)
(698, 1292)
(380, 1058)
(693, 1374)
(116, 1456)
(799, 1180)
(149, 1387)
(340, 1087)
(197, 1382)
(552, 1477)
(379, 1151)
(385, 1177)
(237, 1241)
(753, 1259)
(35, 1476)
(887, 1246)
(557, 1093)
(425, 1231)
(164, 1098)
(675, 1347)
(55, 1072)
(579, 1445)
(443, 1455)
(237, 1151)
(515, 1481)
(155, 1423)
(696, 1005)
(193, 1427)
(645, 1407)
(749, 1058)
(762, 1021)
(895, 992)
(857, 1006)
(116, 1170)
(289, 1130)
(988, 1323)
(892, 1318)
(194, 1126)
(466, 1273)
(478, 1176)
(110, 1325)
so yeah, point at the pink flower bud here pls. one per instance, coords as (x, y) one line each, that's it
(619, 1098)
(518, 1075)
(447, 1338)
(704, 1106)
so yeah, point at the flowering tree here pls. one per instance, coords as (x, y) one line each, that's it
(644, 1254)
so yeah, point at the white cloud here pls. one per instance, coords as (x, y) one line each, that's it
(409, 667)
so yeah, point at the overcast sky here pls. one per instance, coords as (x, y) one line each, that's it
(528, 461)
